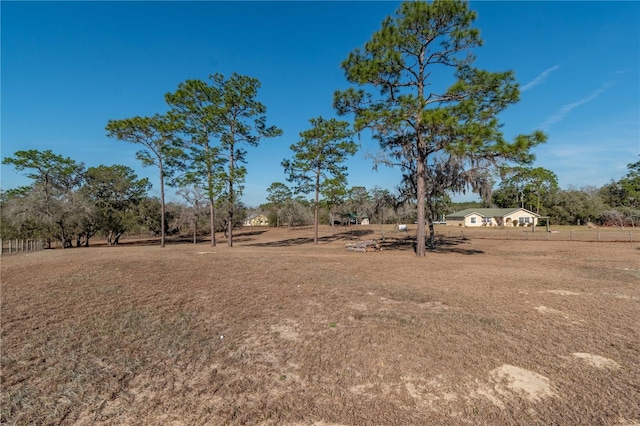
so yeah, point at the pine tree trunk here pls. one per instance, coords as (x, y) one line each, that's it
(162, 235)
(231, 195)
(315, 216)
(420, 196)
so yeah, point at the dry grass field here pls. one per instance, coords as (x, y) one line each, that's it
(279, 331)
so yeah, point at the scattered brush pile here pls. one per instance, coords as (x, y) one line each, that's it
(364, 246)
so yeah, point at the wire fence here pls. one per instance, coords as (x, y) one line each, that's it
(603, 235)
(20, 246)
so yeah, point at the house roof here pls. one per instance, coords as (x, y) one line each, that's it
(489, 212)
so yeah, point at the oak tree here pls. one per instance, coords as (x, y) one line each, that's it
(115, 192)
(51, 201)
(528, 185)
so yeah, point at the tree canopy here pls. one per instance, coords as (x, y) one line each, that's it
(525, 186)
(240, 120)
(318, 157)
(116, 193)
(445, 138)
(197, 105)
(51, 203)
(158, 136)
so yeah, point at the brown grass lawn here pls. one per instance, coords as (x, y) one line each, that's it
(279, 331)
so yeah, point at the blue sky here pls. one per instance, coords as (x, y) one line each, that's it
(69, 67)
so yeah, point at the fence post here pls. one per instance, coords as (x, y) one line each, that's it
(571, 235)
(10, 241)
(598, 232)
(630, 239)
(507, 234)
(548, 233)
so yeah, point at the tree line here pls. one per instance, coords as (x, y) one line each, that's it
(616, 203)
(71, 204)
(443, 133)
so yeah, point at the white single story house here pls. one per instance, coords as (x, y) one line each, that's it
(493, 217)
(256, 220)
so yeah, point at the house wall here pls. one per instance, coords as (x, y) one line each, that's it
(469, 221)
(257, 221)
(517, 215)
(494, 221)
(261, 221)
(473, 220)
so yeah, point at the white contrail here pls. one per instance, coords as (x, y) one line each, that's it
(566, 109)
(539, 79)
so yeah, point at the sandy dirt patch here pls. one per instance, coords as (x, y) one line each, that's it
(532, 385)
(597, 360)
(564, 292)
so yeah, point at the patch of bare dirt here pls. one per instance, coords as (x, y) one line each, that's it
(531, 385)
(597, 360)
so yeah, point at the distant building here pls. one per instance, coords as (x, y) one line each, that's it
(493, 217)
(354, 219)
(256, 220)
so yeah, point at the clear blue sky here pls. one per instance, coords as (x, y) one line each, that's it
(69, 67)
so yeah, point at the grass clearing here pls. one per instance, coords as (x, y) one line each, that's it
(278, 331)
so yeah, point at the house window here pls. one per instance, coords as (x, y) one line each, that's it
(487, 221)
(473, 220)
(524, 219)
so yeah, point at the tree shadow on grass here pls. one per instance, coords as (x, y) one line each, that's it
(443, 245)
(182, 239)
(241, 237)
(454, 245)
(345, 236)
